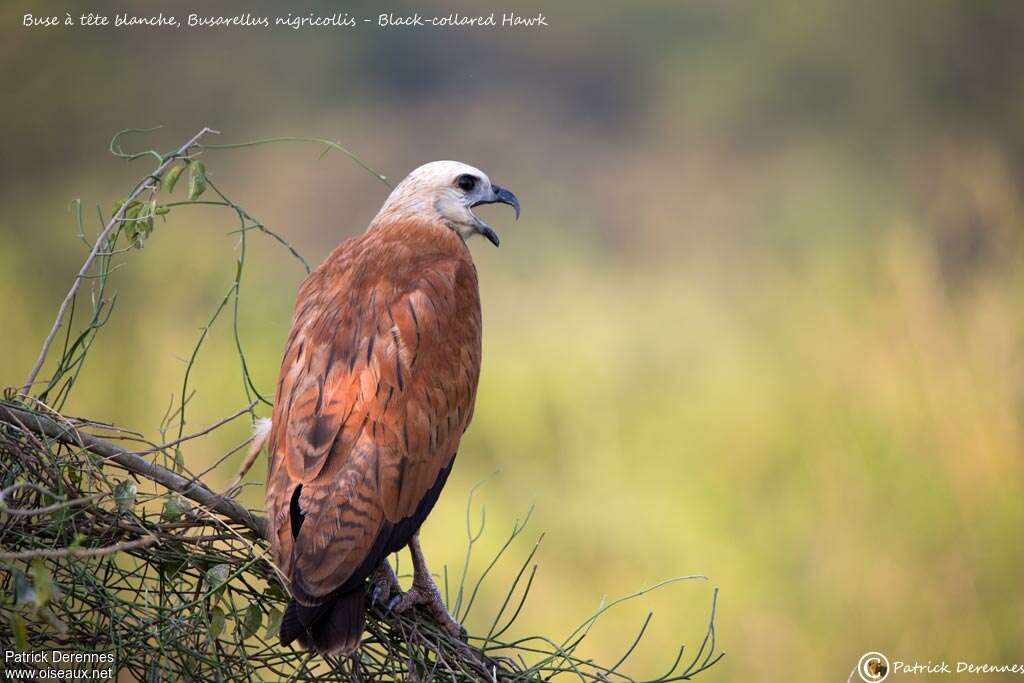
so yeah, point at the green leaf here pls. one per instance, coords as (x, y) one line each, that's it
(43, 583)
(273, 623)
(175, 507)
(130, 225)
(150, 213)
(24, 591)
(171, 512)
(142, 226)
(196, 179)
(274, 591)
(217, 577)
(170, 178)
(74, 474)
(251, 623)
(20, 633)
(124, 495)
(217, 620)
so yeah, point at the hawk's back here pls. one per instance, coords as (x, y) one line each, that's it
(376, 388)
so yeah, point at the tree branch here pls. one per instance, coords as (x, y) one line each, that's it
(57, 553)
(193, 490)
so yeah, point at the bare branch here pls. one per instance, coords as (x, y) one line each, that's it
(193, 490)
(42, 510)
(202, 432)
(57, 553)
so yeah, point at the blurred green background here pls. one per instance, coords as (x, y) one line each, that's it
(760, 319)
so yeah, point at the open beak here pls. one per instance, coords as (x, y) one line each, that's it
(499, 195)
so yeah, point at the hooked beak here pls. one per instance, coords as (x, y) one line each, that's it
(499, 195)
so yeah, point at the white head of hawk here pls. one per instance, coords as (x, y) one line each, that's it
(448, 190)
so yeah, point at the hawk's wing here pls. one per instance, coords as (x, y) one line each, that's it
(376, 388)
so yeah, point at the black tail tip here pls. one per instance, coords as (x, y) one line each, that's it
(333, 627)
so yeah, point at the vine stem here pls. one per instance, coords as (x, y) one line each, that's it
(97, 247)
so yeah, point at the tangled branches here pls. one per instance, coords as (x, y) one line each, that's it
(109, 544)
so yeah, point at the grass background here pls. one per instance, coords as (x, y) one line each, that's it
(760, 319)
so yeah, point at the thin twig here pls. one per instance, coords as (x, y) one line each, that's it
(195, 491)
(57, 553)
(202, 432)
(328, 145)
(101, 240)
(31, 512)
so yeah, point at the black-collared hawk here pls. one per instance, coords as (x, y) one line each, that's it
(375, 391)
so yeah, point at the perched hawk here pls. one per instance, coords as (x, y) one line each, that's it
(376, 388)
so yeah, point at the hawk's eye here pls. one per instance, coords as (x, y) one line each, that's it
(466, 182)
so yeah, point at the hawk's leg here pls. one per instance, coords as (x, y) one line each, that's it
(425, 592)
(383, 584)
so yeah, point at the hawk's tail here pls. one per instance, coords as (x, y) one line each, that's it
(333, 627)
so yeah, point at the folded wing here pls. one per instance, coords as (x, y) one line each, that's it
(376, 388)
